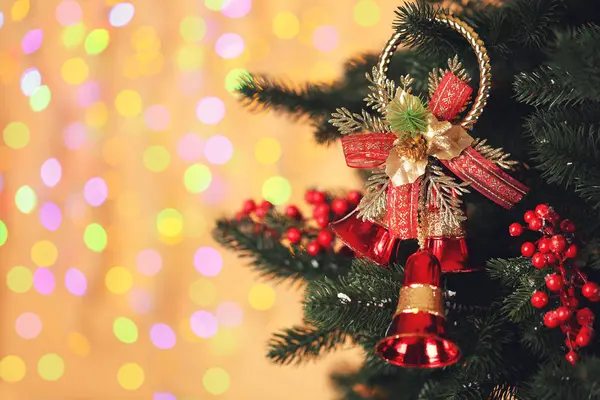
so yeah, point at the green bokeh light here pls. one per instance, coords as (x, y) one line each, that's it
(277, 190)
(95, 237)
(234, 78)
(40, 99)
(3, 233)
(73, 35)
(125, 330)
(25, 199)
(97, 41)
(197, 178)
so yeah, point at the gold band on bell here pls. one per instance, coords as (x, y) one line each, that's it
(421, 298)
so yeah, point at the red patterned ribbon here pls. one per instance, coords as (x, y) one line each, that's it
(449, 97)
(367, 150)
(402, 205)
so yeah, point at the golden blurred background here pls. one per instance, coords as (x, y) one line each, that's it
(121, 143)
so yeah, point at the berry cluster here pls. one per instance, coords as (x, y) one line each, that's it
(312, 234)
(553, 251)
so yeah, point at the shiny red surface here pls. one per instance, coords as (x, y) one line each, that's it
(452, 253)
(422, 267)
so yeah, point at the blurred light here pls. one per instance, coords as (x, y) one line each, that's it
(50, 216)
(208, 261)
(43, 281)
(96, 115)
(95, 237)
(169, 222)
(51, 367)
(215, 5)
(51, 172)
(145, 39)
(286, 25)
(261, 296)
(75, 206)
(190, 82)
(213, 28)
(229, 314)
(140, 301)
(157, 117)
(216, 380)
(1, 19)
(128, 103)
(16, 135)
(224, 343)
(30, 81)
(114, 151)
(236, 8)
(197, 178)
(3, 233)
(95, 191)
(74, 136)
(190, 57)
(125, 330)
(218, 149)
(73, 35)
(88, 94)
(216, 192)
(189, 147)
(229, 45)
(40, 98)
(121, 14)
(97, 41)
(118, 280)
(19, 279)
(234, 78)
(68, 13)
(164, 396)
(148, 262)
(267, 150)
(75, 71)
(156, 158)
(210, 110)
(326, 38)
(78, 344)
(130, 376)
(44, 253)
(202, 292)
(28, 325)
(32, 41)
(366, 12)
(277, 190)
(25, 199)
(162, 336)
(192, 29)
(204, 324)
(75, 282)
(12, 369)
(19, 10)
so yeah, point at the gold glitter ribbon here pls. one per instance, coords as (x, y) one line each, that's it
(421, 298)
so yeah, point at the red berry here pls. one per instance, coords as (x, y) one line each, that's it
(585, 317)
(309, 196)
(572, 357)
(535, 224)
(563, 314)
(293, 212)
(325, 238)
(319, 197)
(248, 206)
(529, 215)
(538, 260)
(584, 337)
(313, 248)
(240, 216)
(571, 251)
(322, 221)
(551, 319)
(554, 282)
(550, 259)
(260, 212)
(594, 299)
(558, 243)
(553, 217)
(294, 235)
(567, 226)
(539, 299)
(340, 206)
(542, 210)
(515, 229)
(266, 205)
(527, 249)
(590, 290)
(572, 302)
(321, 209)
(544, 245)
(354, 197)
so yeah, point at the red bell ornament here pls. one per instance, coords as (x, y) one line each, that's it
(416, 337)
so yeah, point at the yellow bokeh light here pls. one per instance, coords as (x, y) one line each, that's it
(267, 150)
(145, 39)
(203, 292)
(190, 57)
(114, 151)
(130, 376)
(118, 280)
(169, 222)
(366, 12)
(128, 103)
(96, 115)
(16, 135)
(73, 35)
(224, 343)
(192, 28)
(51, 367)
(215, 5)
(156, 158)
(261, 296)
(216, 380)
(19, 10)
(286, 25)
(78, 344)
(44, 253)
(12, 369)
(75, 71)
(19, 279)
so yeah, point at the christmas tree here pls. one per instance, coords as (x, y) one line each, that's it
(542, 111)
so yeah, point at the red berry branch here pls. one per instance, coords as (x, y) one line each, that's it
(555, 251)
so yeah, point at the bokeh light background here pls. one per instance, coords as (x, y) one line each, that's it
(121, 143)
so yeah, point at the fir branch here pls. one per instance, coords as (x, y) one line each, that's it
(591, 254)
(495, 155)
(440, 190)
(545, 87)
(560, 380)
(374, 203)
(303, 343)
(509, 271)
(348, 122)
(541, 341)
(382, 93)
(270, 258)
(533, 21)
